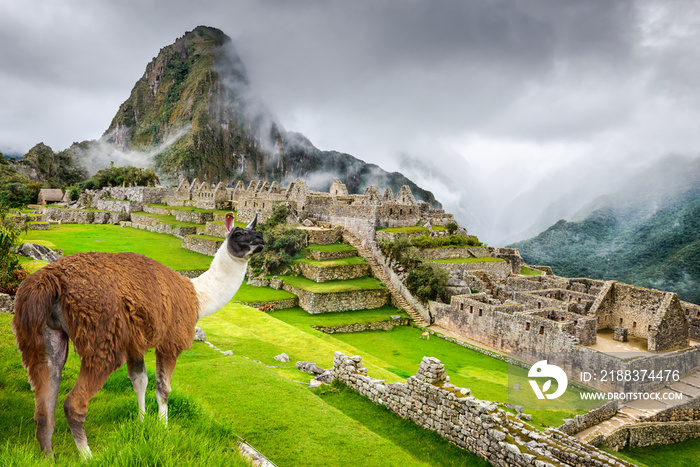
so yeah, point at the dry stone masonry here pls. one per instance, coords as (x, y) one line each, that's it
(430, 401)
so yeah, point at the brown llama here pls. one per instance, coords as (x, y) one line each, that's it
(114, 307)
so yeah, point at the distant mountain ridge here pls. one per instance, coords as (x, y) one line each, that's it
(646, 234)
(194, 110)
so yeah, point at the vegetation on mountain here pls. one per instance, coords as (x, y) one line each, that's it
(194, 109)
(118, 176)
(11, 272)
(282, 242)
(55, 169)
(658, 249)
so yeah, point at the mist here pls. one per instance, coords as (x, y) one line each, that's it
(513, 114)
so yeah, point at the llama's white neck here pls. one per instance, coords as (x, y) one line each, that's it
(220, 283)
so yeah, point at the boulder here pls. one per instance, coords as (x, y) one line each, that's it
(199, 335)
(6, 303)
(283, 357)
(39, 252)
(309, 367)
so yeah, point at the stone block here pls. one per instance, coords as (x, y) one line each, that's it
(620, 334)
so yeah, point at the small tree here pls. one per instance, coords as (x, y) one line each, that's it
(11, 273)
(427, 282)
(452, 227)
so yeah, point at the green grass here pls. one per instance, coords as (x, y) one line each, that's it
(31, 264)
(301, 319)
(424, 445)
(251, 294)
(333, 263)
(526, 271)
(333, 247)
(170, 220)
(76, 238)
(684, 454)
(363, 283)
(235, 224)
(487, 377)
(411, 229)
(483, 259)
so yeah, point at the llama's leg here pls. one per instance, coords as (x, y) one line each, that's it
(165, 365)
(75, 406)
(139, 379)
(46, 378)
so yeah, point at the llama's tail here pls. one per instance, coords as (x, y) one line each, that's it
(33, 306)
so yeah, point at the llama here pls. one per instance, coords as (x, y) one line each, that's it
(425, 335)
(114, 307)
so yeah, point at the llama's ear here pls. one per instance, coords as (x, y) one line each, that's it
(228, 222)
(253, 223)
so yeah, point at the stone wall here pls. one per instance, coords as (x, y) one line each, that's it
(315, 303)
(360, 327)
(324, 274)
(278, 305)
(322, 236)
(646, 313)
(201, 245)
(76, 216)
(478, 426)
(7, 304)
(692, 313)
(593, 417)
(552, 298)
(458, 252)
(194, 217)
(126, 207)
(498, 269)
(140, 194)
(651, 434)
(215, 229)
(328, 255)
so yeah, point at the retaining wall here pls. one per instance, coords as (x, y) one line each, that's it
(651, 434)
(360, 327)
(478, 426)
(315, 303)
(204, 246)
(324, 274)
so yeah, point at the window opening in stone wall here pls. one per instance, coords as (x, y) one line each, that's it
(391, 211)
(541, 329)
(527, 326)
(461, 307)
(480, 312)
(649, 328)
(401, 212)
(471, 308)
(620, 321)
(634, 324)
(539, 305)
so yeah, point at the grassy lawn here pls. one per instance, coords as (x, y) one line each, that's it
(303, 320)
(363, 283)
(483, 259)
(526, 271)
(487, 377)
(31, 264)
(251, 294)
(170, 220)
(333, 247)
(76, 238)
(235, 224)
(683, 454)
(332, 263)
(424, 445)
(413, 228)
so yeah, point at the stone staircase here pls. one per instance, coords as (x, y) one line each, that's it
(378, 270)
(632, 412)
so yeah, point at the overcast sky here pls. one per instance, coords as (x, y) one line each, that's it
(490, 104)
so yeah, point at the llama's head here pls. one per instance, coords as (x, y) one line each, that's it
(242, 243)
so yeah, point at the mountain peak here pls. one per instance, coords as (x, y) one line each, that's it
(194, 110)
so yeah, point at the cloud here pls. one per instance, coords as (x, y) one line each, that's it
(499, 101)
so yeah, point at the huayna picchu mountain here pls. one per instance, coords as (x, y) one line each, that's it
(195, 110)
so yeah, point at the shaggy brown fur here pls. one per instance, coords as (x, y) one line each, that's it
(114, 307)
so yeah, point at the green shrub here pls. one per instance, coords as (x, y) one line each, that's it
(11, 273)
(282, 242)
(117, 176)
(451, 227)
(427, 282)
